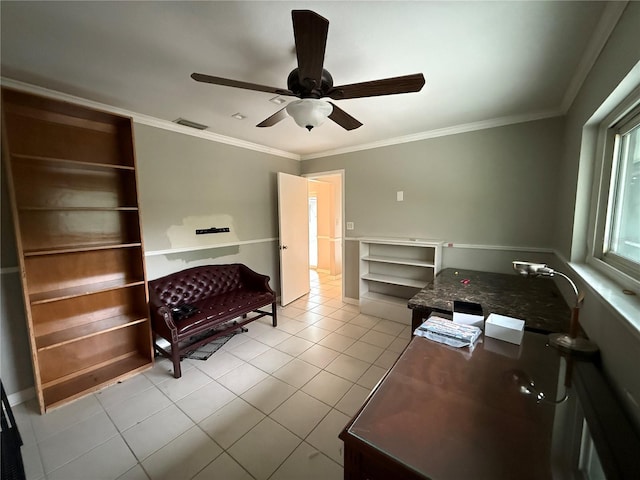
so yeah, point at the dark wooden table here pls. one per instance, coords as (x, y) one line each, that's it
(537, 301)
(444, 413)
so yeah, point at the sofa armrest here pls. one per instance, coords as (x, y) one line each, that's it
(163, 322)
(254, 280)
(165, 313)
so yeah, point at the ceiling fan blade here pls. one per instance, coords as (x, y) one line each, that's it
(387, 86)
(275, 118)
(200, 77)
(343, 119)
(310, 33)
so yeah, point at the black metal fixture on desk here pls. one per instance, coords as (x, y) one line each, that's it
(569, 342)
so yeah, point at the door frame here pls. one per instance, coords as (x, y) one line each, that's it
(332, 173)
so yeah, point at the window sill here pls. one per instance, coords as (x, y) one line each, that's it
(610, 292)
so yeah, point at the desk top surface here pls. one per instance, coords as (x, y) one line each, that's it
(449, 413)
(537, 301)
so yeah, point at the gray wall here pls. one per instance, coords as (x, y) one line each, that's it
(493, 187)
(619, 343)
(185, 182)
(522, 185)
(619, 56)
(15, 355)
(510, 186)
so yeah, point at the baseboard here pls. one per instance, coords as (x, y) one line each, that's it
(21, 396)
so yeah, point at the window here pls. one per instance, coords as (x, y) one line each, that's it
(622, 232)
(589, 462)
(618, 227)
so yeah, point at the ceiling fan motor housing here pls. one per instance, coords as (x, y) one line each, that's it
(307, 88)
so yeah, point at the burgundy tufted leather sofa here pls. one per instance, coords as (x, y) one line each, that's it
(220, 293)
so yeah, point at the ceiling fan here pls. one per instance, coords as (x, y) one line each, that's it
(310, 82)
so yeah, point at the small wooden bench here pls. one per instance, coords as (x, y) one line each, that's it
(220, 297)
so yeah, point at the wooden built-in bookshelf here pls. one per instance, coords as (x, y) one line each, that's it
(72, 183)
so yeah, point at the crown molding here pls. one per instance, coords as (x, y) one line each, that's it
(145, 119)
(214, 137)
(608, 21)
(441, 132)
(612, 14)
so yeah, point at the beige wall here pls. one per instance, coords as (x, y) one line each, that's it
(336, 227)
(326, 213)
(328, 191)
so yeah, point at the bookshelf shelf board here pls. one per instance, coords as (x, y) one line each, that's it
(70, 335)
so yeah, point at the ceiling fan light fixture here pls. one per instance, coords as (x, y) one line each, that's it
(309, 112)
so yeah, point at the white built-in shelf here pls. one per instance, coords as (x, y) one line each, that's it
(392, 271)
(380, 297)
(393, 280)
(398, 261)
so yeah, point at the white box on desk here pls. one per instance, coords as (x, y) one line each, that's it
(504, 328)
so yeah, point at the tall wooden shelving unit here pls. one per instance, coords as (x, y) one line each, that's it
(72, 182)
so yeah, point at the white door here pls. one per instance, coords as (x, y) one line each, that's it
(293, 217)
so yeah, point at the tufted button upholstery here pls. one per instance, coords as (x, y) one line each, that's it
(195, 284)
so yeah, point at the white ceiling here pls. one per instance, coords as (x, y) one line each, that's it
(484, 62)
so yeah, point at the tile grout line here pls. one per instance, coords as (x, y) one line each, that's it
(318, 294)
(298, 389)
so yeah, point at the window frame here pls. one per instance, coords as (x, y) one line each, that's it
(610, 128)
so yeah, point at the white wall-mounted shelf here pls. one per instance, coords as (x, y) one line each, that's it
(171, 251)
(392, 271)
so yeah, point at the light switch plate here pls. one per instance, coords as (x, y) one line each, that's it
(350, 226)
(400, 196)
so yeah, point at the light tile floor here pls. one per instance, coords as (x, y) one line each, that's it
(268, 405)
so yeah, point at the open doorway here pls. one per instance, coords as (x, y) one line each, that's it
(325, 223)
(313, 231)
(293, 228)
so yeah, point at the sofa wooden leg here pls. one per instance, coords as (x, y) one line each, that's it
(274, 314)
(175, 358)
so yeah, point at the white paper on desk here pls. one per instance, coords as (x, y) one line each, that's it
(445, 331)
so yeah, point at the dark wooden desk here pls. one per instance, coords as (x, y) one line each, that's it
(445, 413)
(448, 414)
(537, 301)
